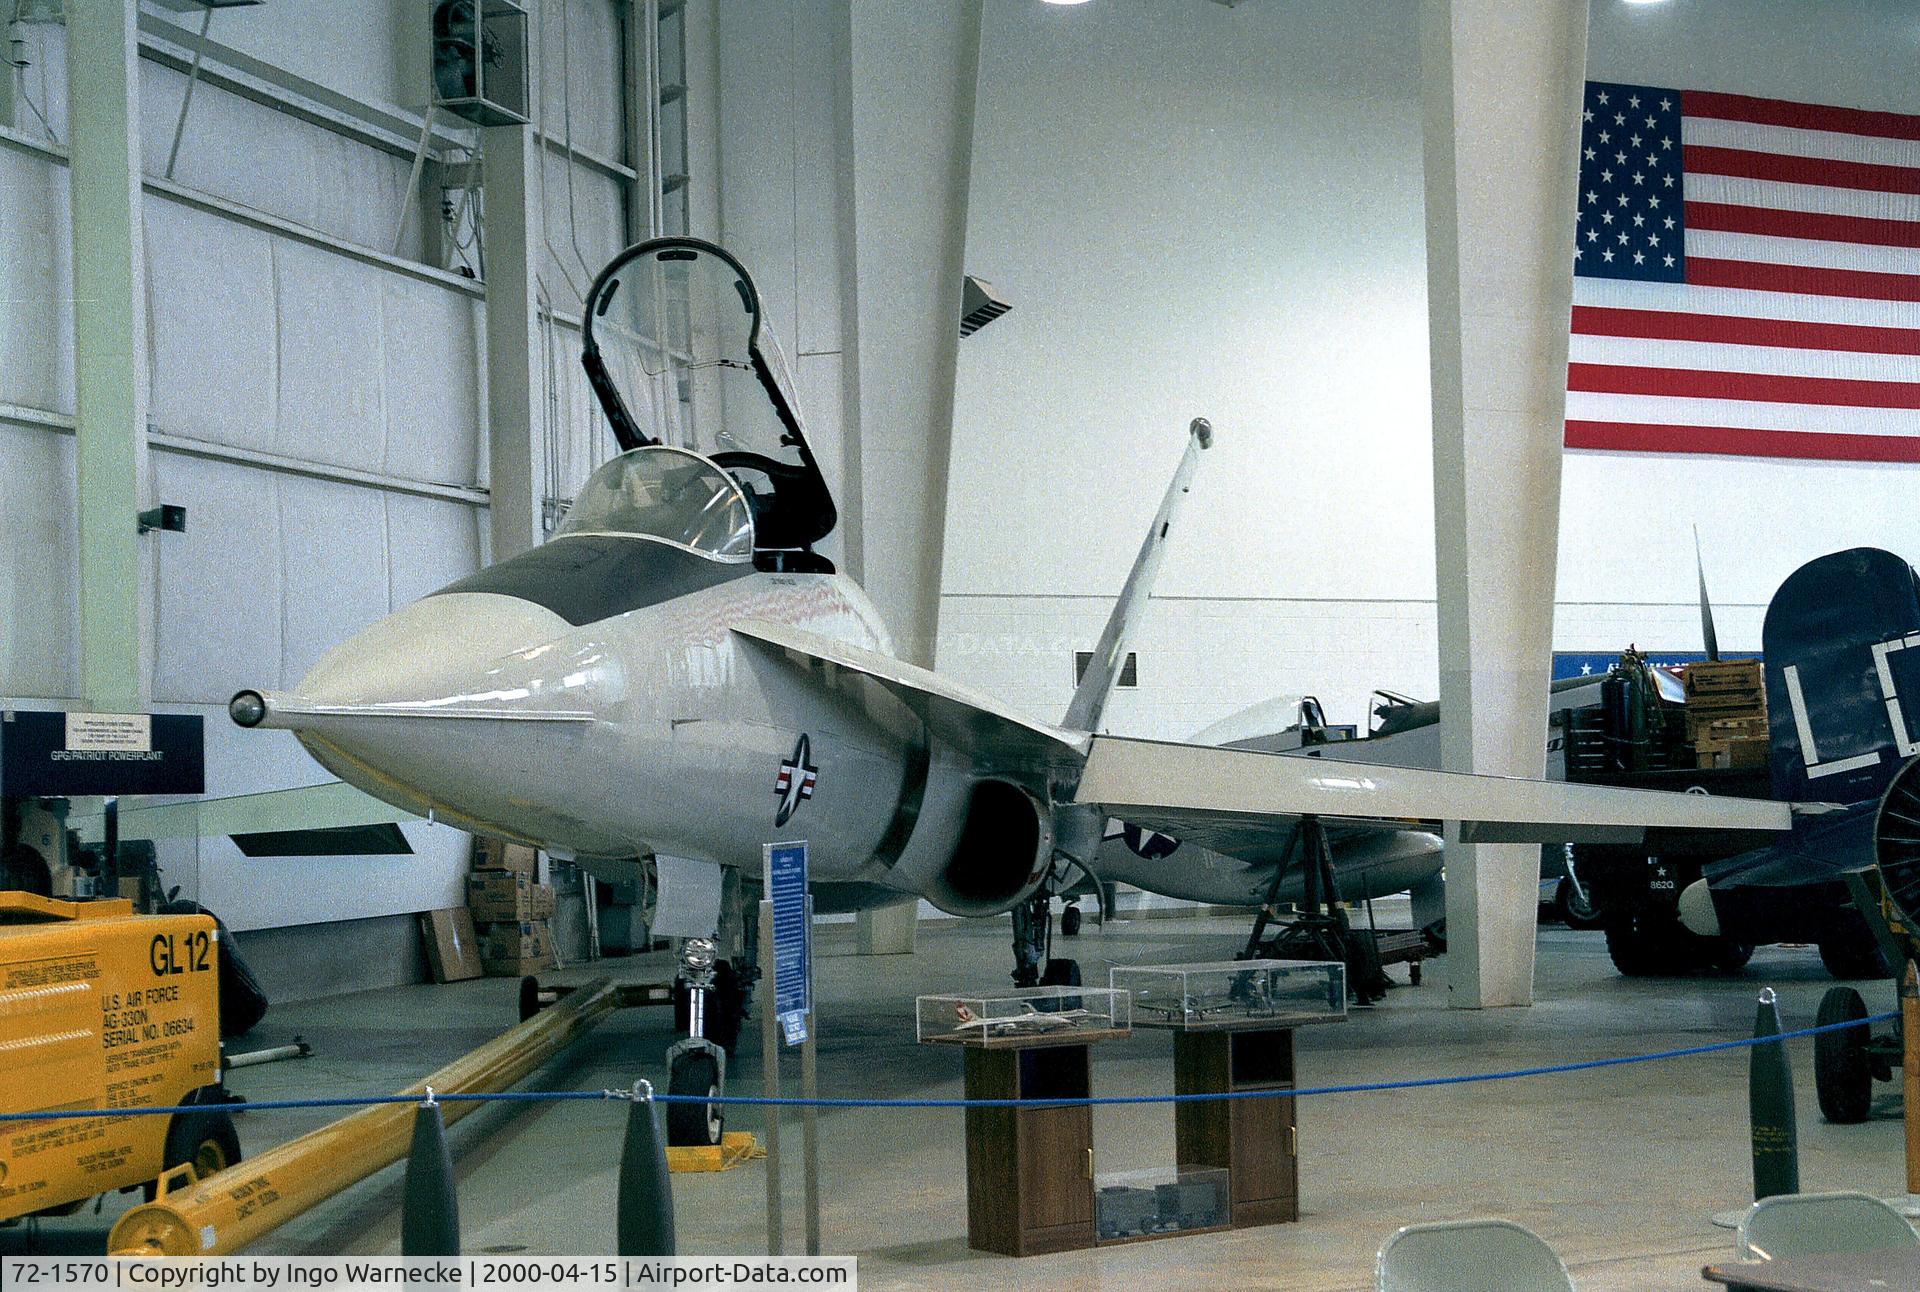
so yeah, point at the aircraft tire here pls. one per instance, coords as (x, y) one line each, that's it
(1070, 922)
(204, 1140)
(1842, 1073)
(1571, 910)
(1852, 957)
(1636, 950)
(694, 1125)
(1061, 973)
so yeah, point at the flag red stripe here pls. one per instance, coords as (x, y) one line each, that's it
(1768, 388)
(1723, 329)
(1741, 442)
(1803, 280)
(1745, 163)
(1799, 116)
(1723, 217)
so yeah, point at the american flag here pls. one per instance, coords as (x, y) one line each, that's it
(1746, 278)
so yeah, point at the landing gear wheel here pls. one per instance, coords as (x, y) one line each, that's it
(1635, 950)
(1658, 946)
(1070, 922)
(1575, 907)
(1852, 957)
(696, 1073)
(206, 1141)
(1061, 973)
(1842, 1074)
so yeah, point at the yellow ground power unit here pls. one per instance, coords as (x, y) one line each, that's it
(102, 1008)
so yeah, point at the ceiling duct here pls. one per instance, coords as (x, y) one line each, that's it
(979, 305)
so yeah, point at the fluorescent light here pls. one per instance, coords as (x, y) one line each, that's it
(1065, 2)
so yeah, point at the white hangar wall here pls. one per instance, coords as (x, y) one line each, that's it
(317, 400)
(1197, 209)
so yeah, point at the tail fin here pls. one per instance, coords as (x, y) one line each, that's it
(1710, 639)
(1842, 646)
(1090, 697)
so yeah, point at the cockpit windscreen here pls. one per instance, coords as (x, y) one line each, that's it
(679, 354)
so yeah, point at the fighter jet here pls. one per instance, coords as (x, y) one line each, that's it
(678, 678)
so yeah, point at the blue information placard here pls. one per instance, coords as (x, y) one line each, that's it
(792, 968)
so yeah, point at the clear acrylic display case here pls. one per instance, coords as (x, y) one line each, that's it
(1233, 994)
(1160, 1200)
(1022, 1017)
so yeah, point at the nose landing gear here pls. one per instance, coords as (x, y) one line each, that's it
(697, 1066)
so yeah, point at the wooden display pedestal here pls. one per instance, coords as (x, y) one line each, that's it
(1255, 1140)
(1029, 1170)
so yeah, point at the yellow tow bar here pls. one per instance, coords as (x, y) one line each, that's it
(225, 1211)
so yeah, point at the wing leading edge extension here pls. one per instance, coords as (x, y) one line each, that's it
(960, 716)
(1227, 799)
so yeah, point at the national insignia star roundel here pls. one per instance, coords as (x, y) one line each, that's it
(794, 785)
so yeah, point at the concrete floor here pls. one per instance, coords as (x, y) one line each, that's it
(1618, 1168)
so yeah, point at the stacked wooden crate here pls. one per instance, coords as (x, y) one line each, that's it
(1727, 712)
(511, 909)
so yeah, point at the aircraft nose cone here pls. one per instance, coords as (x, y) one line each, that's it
(433, 651)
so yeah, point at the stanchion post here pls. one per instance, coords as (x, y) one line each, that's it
(770, 1082)
(1776, 1138)
(644, 1212)
(430, 1207)
(810, 1138)
(1910, 1078)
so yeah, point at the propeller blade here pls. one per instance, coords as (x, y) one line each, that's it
(1711, 639)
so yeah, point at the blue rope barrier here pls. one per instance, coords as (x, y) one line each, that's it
(562, 1096)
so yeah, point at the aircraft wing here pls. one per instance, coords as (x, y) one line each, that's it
(956, 714)
(1232, 800)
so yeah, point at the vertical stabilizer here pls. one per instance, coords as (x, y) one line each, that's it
(1842, 647)
(1090, 697)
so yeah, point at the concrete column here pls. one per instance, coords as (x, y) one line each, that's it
(1501, 93)
(509, 175)
(913, 70)
(109, 350)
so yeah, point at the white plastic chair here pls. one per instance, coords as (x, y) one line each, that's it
(1469, 1256)
(1808, 1224)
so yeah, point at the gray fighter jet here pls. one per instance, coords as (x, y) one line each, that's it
(677, 678)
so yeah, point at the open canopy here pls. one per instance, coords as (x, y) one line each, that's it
(678, 354)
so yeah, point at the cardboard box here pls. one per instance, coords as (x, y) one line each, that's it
(453, 947)
(1732, 753)
(507, 897)
(1720, 676)
(510, 950)
(1719, 731)
(498, 854)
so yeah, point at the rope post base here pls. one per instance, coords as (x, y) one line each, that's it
(645, 1208)
(1776, 1138)
(430, 1209)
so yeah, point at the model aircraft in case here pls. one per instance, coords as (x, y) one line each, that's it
(678, 677)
